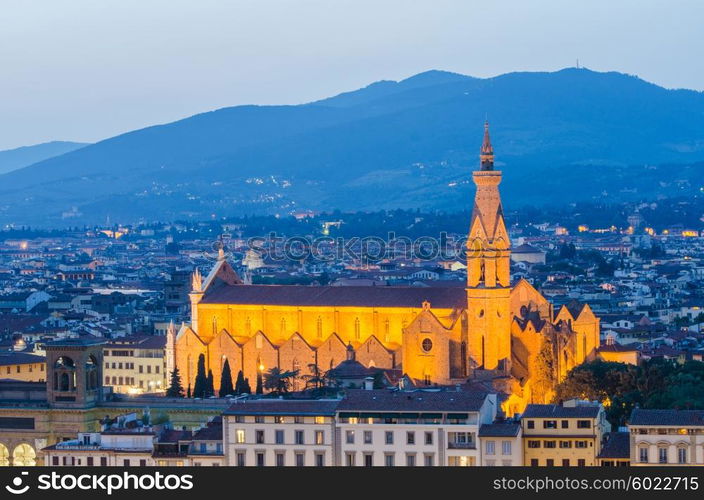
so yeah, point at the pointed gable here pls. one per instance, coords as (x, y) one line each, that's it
(331, 352)
(221, 274)
(373, 354)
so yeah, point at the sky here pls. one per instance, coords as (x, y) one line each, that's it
(86, 70)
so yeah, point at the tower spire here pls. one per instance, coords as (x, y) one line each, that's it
(486, 154)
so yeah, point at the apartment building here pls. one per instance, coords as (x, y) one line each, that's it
(136, 364)
(500, 444)
(416, 428)
(363, 428)
(22, 366)
(666, 437)
(570, 434)
(280, 432)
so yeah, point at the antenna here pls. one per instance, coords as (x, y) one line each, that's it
(578, 63)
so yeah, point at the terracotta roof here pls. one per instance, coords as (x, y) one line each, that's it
(388, 400)
(616, 347)
(211, 432)
(353, 296)
(557, 411)
(352, 369)
(667, 417)
(284, 407)
(509, 429)
(617, 445)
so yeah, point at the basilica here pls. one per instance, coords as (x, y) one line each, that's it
(493, 331)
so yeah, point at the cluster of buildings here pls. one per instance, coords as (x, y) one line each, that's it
(442, 360)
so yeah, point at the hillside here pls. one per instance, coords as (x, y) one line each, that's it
(392, 144)
(13, 159)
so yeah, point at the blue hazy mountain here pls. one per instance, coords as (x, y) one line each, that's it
(13, 159)
(570, 135)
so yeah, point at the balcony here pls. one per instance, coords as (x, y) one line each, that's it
(461, 446)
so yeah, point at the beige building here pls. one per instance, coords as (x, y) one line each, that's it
(501, 444)
(22, 366)
(666, 437)
(566, 435)
(136, 364)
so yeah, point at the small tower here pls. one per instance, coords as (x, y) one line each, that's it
(170, 349)
(196, 295)
(74, 373)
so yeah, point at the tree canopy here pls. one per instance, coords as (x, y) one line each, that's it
(656, 384)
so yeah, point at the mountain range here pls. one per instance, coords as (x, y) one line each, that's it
(13, 159)
(570, 135)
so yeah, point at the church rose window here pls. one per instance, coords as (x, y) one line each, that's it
(427, 345)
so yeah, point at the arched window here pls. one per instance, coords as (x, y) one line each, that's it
(387, 330)
(319, 327)
(357, 333)
(64, 362)
(24, 456)
(248, 326)
(283, 327)
(64, 384)
(4, 456)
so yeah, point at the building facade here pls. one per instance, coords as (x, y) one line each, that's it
(136, 364)
(666, 437)
(570, 434)
(363, 428)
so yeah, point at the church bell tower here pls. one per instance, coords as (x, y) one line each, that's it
(488, 270)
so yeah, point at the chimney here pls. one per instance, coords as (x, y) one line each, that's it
(458, 387)
(369, 383)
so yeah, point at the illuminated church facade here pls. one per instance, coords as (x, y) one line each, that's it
(493, 331)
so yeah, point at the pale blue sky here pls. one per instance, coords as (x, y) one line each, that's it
(85, 70)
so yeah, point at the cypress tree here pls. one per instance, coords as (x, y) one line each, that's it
(239, 385)
(260, 383)
(175, 390)
(188, 392)
(209, 387)
(246, 388)
(226, 380)
(201, 380)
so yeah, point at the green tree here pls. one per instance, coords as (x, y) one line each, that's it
(316, 378)
(201, 385)
(226, 388)
(175, 389)
(246, 388)
(545, 371)
(260, 385)
(239, 384)
(209, 385)
(279, 381)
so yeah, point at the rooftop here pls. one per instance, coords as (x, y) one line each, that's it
(667, 417)
(340, 296)
(557, 411)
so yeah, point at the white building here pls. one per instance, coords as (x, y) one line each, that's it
(667, 437)
(365, 428)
